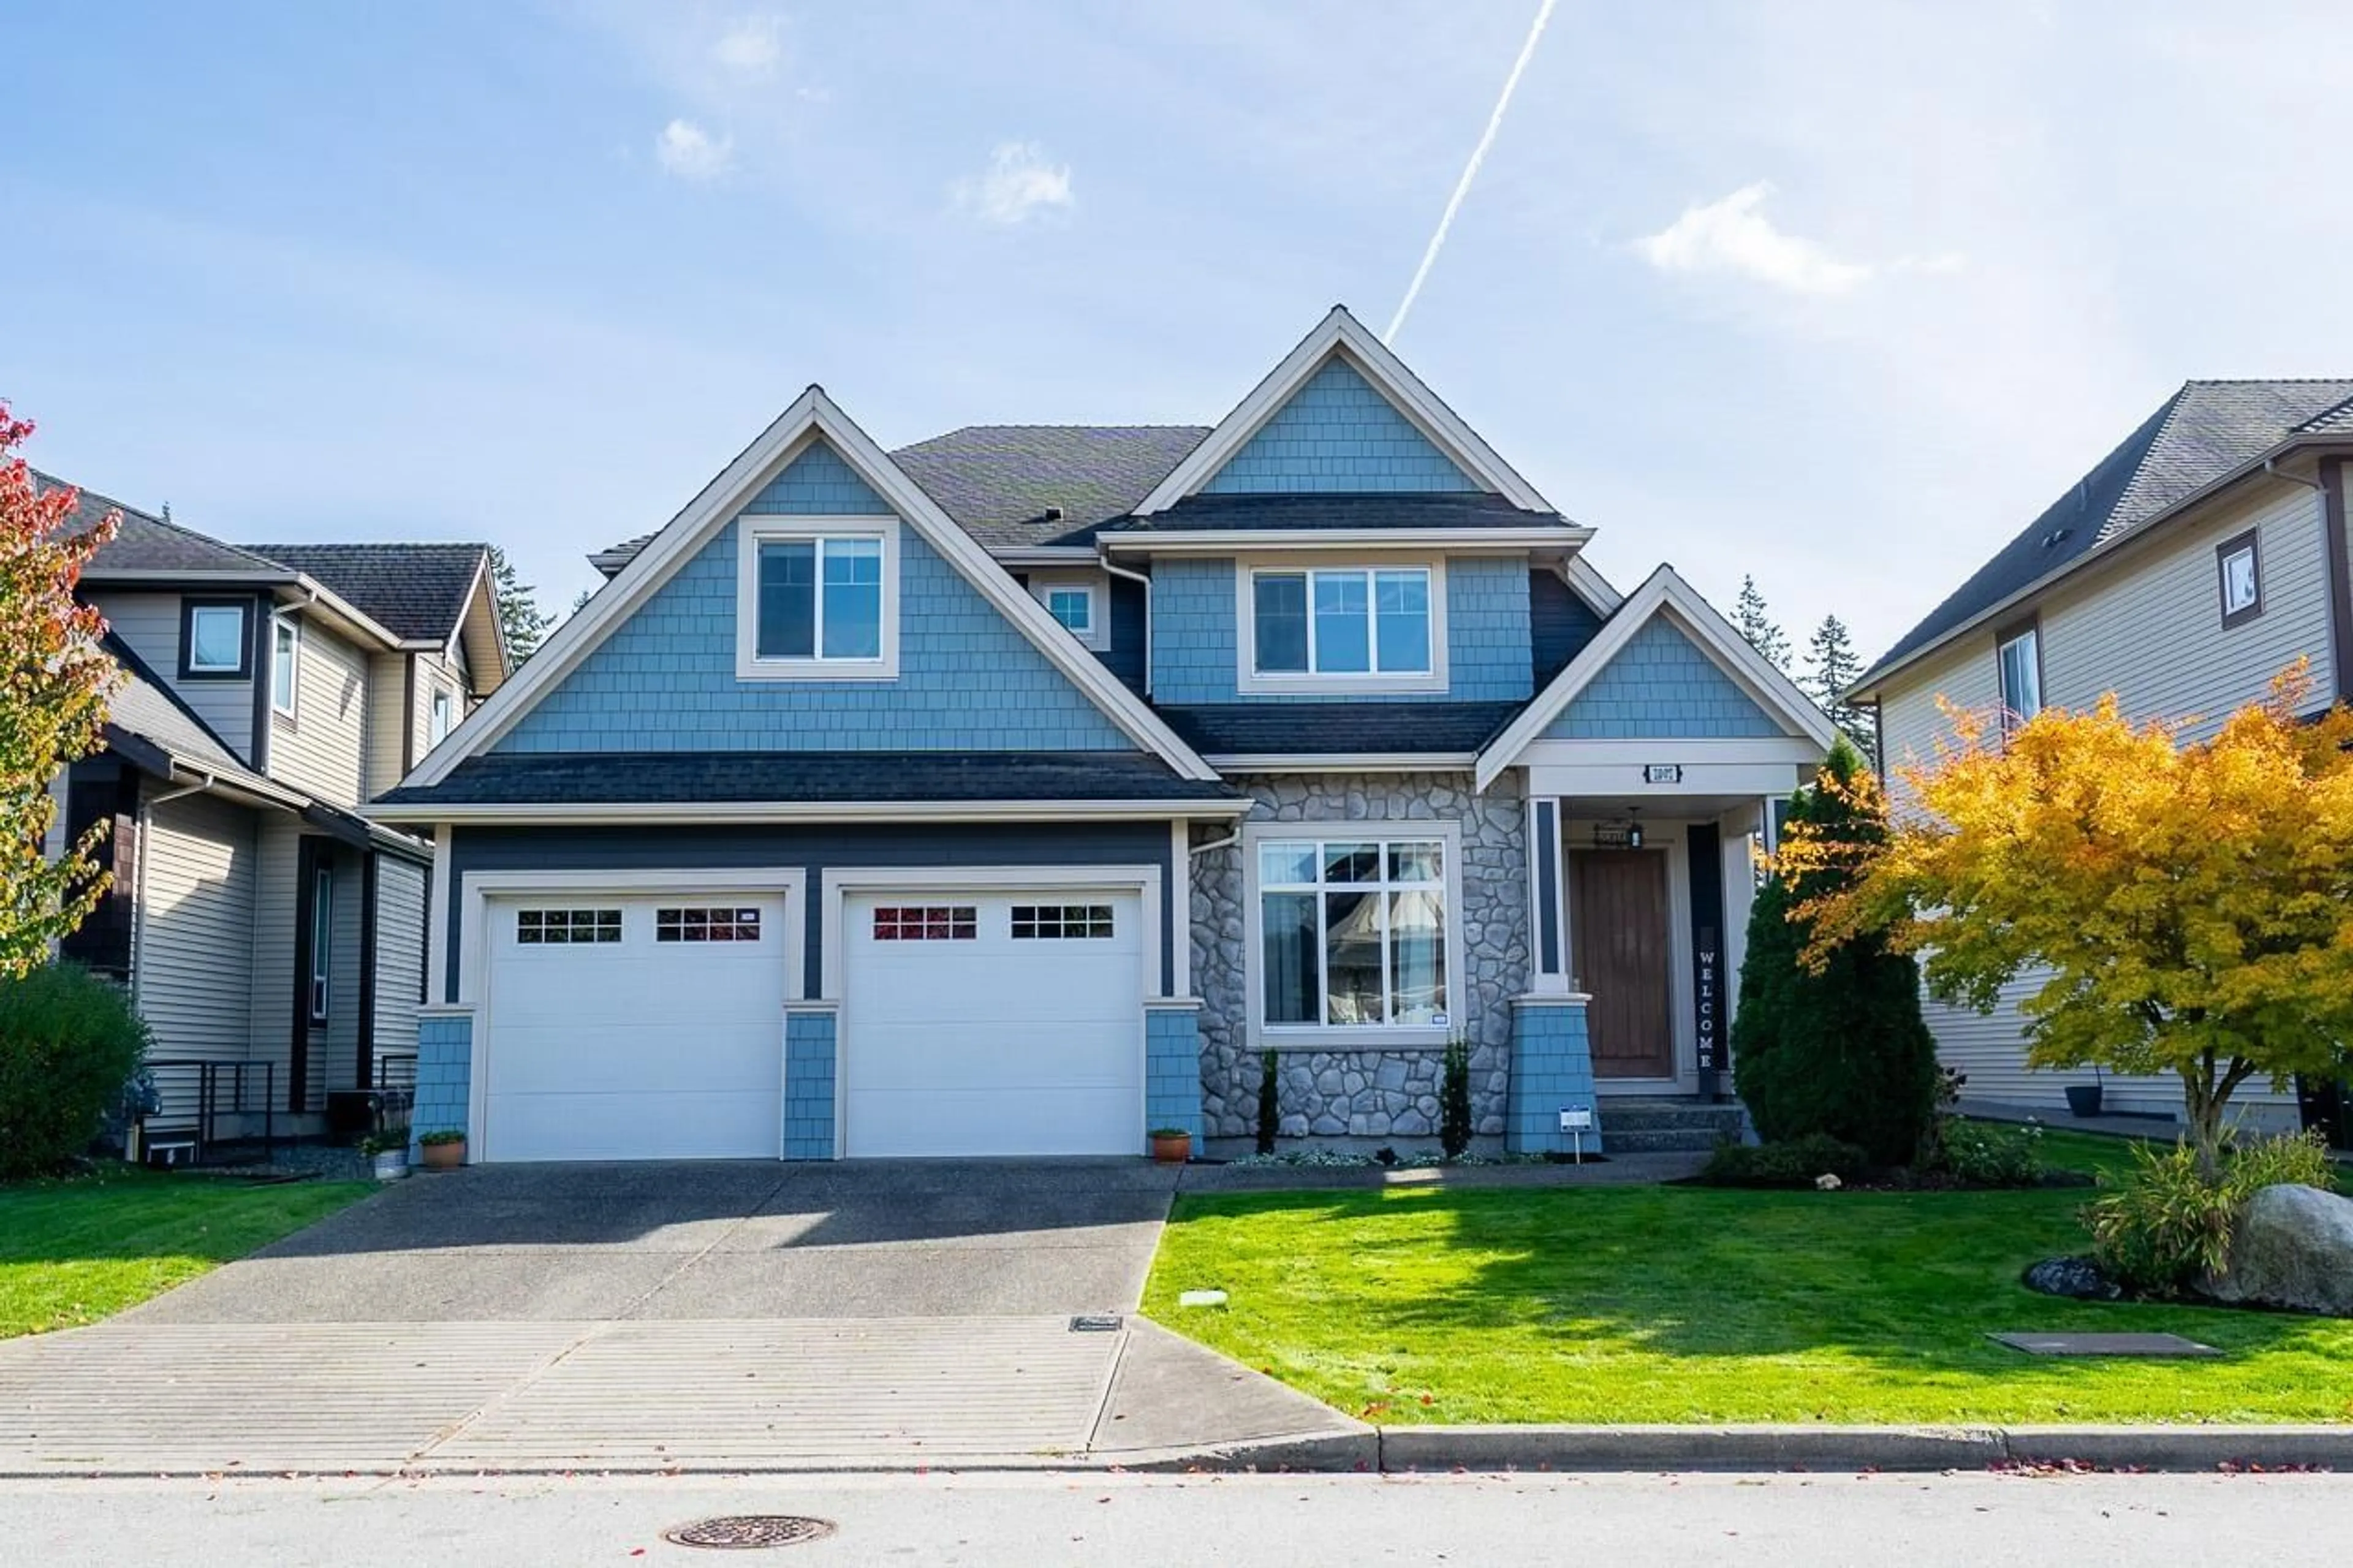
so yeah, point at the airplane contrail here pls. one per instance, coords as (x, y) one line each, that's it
(1469, 170)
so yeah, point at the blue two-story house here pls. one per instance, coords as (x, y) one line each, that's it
(1015, 792)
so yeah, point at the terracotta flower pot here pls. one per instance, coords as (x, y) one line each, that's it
(445, 1156)
(1172, 1148)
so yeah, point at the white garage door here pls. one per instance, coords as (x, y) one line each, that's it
(993, 1024)
(635, 1029)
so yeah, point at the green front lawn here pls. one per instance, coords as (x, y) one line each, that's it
(76, 1250)
(1648, 1304)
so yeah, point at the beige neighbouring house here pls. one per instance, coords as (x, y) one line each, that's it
(270, 930)
(2185, 571)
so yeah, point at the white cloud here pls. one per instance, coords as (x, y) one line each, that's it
(1020, 185)
(752, 47)
(1734, 235)
(688, 150)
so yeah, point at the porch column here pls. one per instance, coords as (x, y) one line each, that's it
(1547, 930)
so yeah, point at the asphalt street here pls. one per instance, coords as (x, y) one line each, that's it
(1046, 1521)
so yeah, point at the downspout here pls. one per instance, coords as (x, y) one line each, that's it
(1229, 840)
(1134, 576)
(139, 882)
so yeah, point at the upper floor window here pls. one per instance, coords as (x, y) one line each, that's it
(213, 639)
(2239, 563)
(285, 664)
(1362, 627)
(818, 600)
(444, 716)
(1077, 603)
(2019, 654)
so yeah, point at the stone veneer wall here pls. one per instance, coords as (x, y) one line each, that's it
(1368, 1093)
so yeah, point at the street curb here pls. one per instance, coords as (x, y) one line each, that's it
(1337, 1452)
(1409, 1449)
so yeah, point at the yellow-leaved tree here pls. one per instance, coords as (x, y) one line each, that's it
(2190, 899)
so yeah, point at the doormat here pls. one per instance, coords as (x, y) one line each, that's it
(2160, 1345)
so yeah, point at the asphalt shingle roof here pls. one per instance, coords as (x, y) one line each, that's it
(1334, 509)
(1260, 729)
(761, 777)
(143, 708)
(145, 542)
(414, 591)
(998, 481)
(2201, 433)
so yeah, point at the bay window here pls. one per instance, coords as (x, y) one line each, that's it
(1352, 930)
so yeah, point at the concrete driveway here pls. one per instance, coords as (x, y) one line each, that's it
(658, 1317)
(710, 1241)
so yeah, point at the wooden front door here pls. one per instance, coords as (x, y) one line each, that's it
(1618, 950)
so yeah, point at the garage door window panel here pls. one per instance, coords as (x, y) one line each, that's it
(927, 922)
(1057, 922)
(706, 924)
(566, 928)
(1353, 933)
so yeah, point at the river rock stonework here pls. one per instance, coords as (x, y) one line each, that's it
(1368, 1093)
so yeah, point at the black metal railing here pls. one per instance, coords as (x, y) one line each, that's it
(396, 1088)
(198, 1102)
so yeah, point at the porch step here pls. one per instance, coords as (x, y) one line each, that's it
(1667, 1126)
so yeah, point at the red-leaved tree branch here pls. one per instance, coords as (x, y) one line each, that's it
(54, 679)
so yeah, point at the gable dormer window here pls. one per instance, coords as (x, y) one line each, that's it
(1342, 628)
(213, 644)
(817, 599)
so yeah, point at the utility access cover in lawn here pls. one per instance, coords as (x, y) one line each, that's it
(2169, 1345)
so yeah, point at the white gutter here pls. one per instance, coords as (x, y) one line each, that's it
(1134, 576)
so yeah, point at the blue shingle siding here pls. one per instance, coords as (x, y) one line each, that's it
(817, 484)
(665, 679)
(1172, 1070)
(1338, 434)
(1552, 1071)
(445, 1065)
(809, 1085)
(1662, 687)
(1559, 624)
(1193, 634)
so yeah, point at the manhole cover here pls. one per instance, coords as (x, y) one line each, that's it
(751, 1529)
(1095, 1323)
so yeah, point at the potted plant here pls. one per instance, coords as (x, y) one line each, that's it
(389, 1150)
(2084, 1099)
(1171, 1145)
(444, 1147)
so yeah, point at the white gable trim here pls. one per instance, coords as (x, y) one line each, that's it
(812, 416)
(1663, 593)
(1342, 334)
(1585, 581)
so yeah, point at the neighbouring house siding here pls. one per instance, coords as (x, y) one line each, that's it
(813, 849)
(399, 952)
(387, 687)
(1661, 686)
(1367, 1091)
(335, 1045)
(194, 946)
(278, 844)
(1338, 434)
(665, 679)
(150, 623)
(2149, 628)
(1488, 654)
(323, 748)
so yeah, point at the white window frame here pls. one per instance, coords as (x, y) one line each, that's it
(1249, 681)
(289, 658)
(2031, 633)
(440, 715)
(1044, 585)
(320, 983)
(235, 665)
(1369, 1036)
(753, 532)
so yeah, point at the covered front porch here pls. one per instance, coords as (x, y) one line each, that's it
(1649, 767)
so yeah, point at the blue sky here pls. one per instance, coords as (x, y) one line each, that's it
(1836, 294)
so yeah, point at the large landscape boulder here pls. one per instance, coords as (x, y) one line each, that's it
(2291, 1246)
